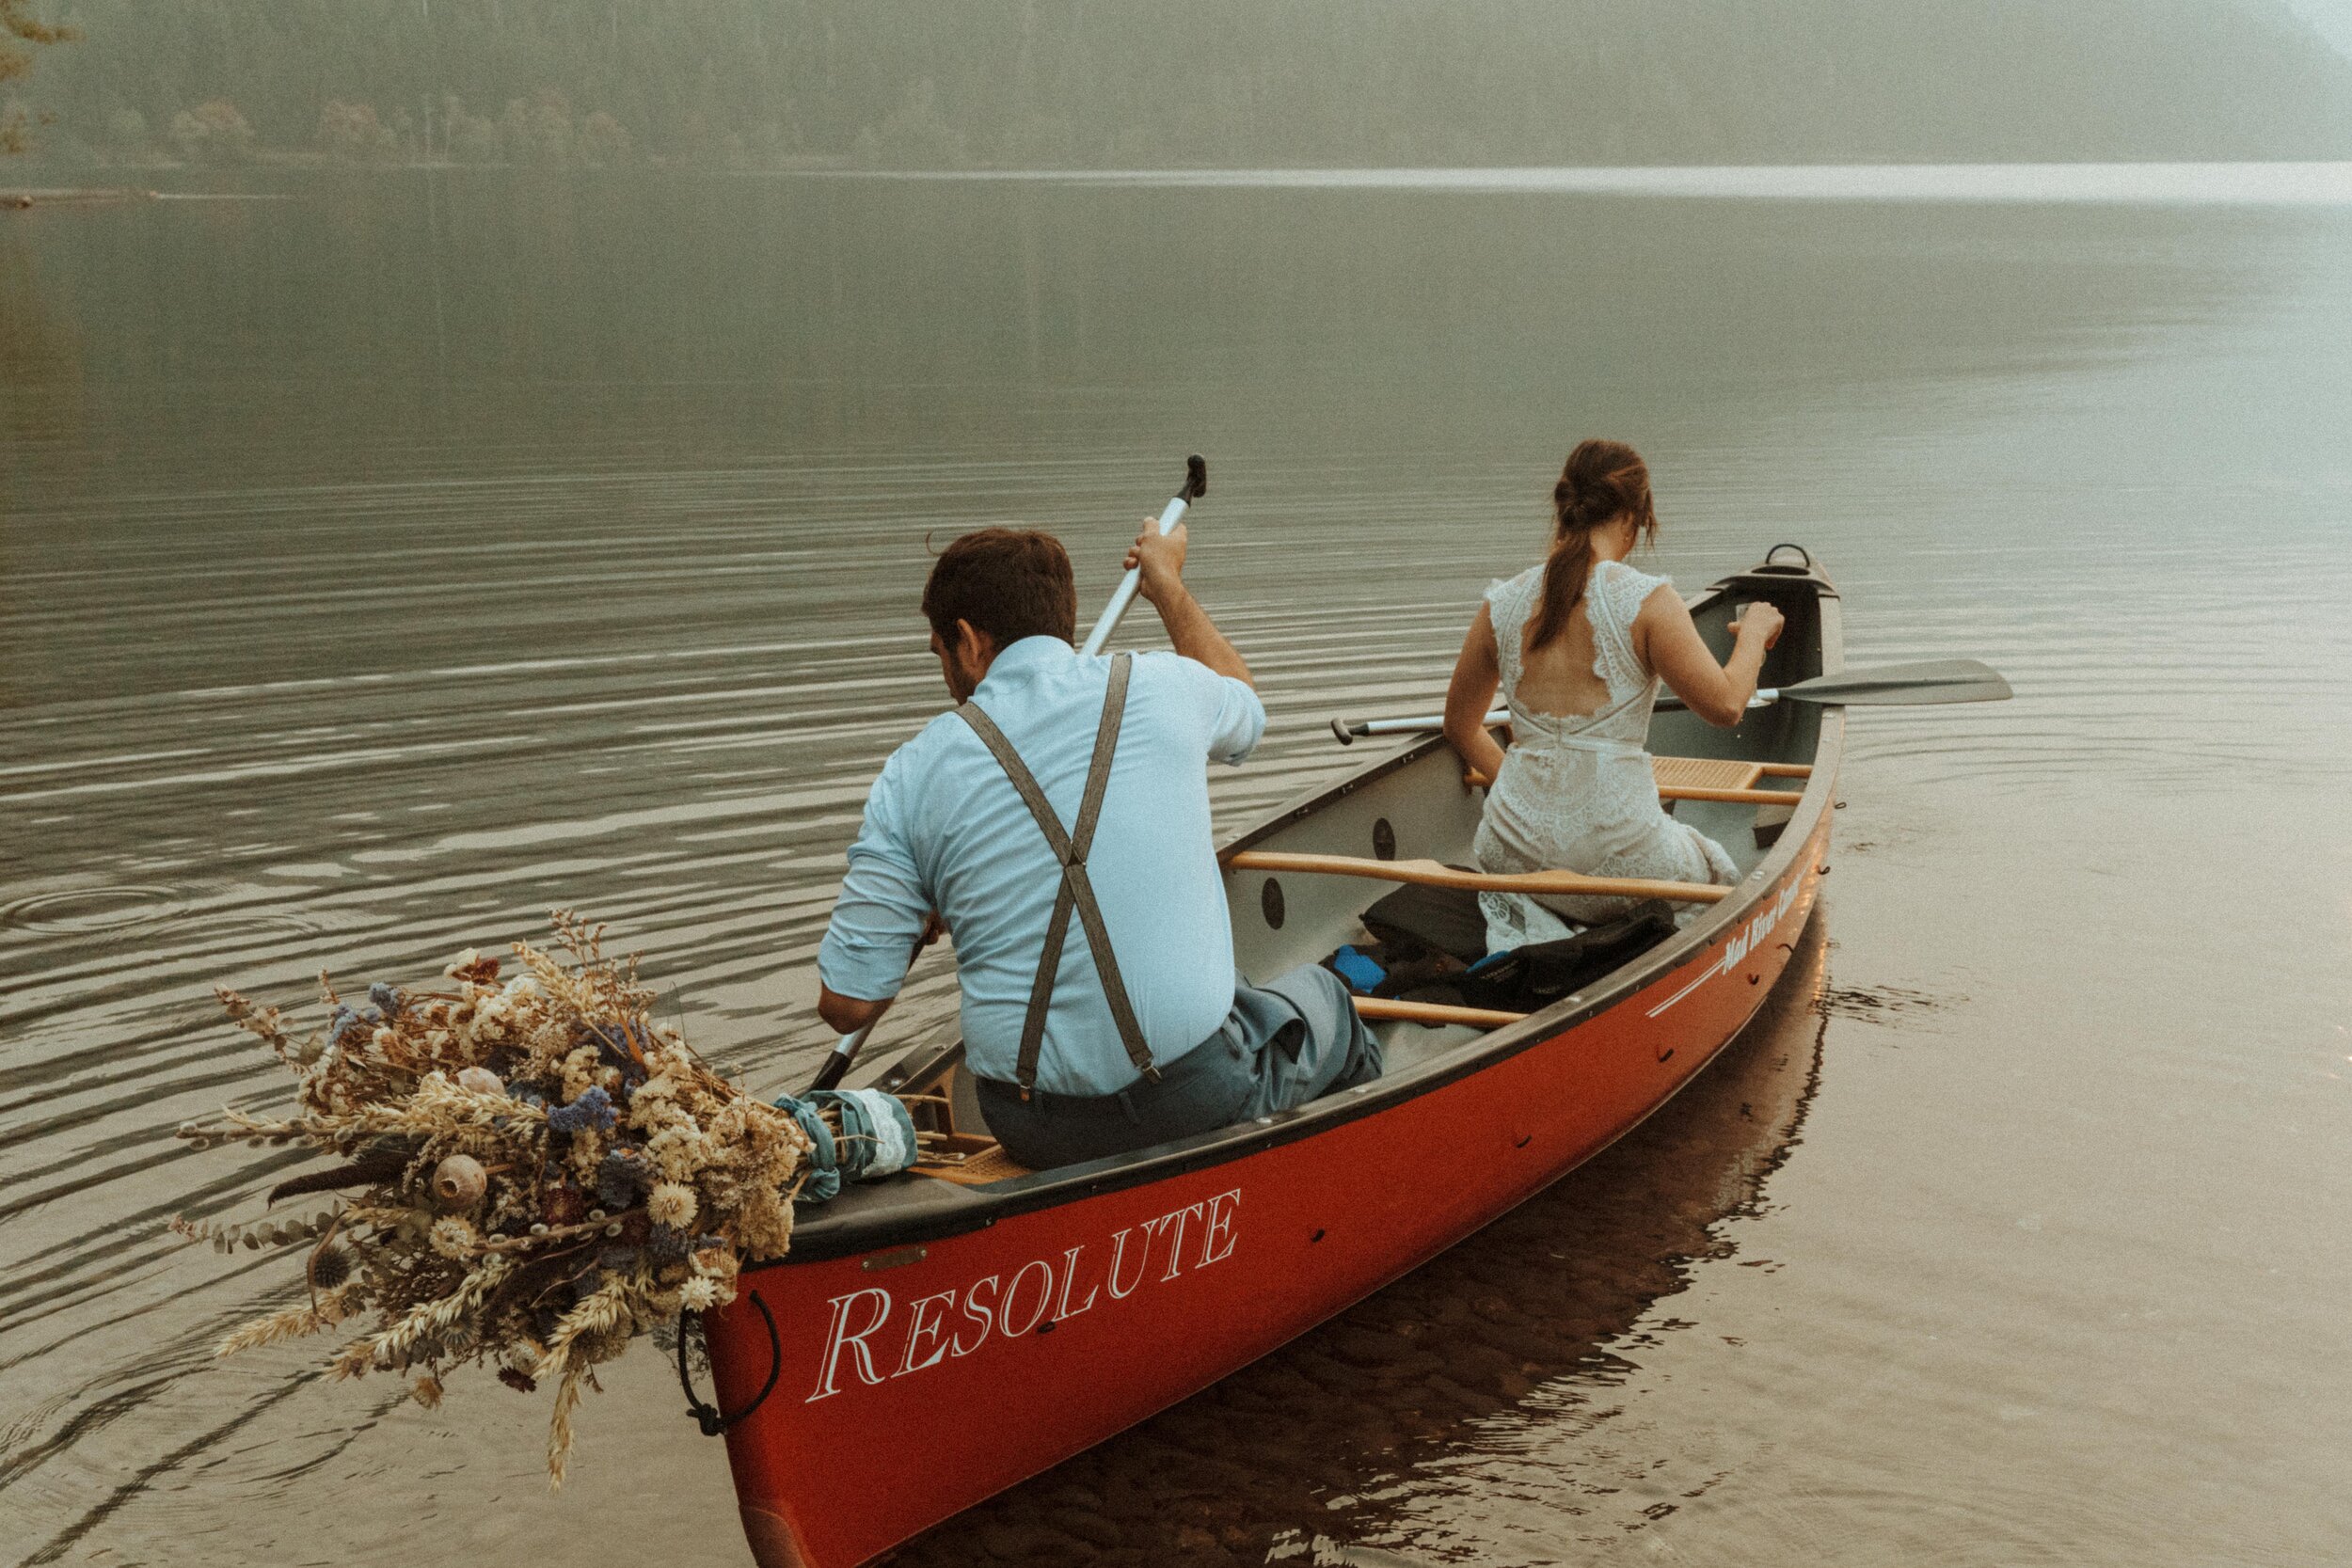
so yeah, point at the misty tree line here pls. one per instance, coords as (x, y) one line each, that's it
(928, 82)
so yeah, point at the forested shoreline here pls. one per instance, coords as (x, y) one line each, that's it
(1082, 82)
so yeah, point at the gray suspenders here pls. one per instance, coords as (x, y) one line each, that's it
(1077, 891)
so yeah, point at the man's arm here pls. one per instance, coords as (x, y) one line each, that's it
(880, 921)
(846, 1015)
(1196, 637)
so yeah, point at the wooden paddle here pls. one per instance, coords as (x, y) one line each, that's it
(1437, 874)
(1927, 683)
(845, 1050)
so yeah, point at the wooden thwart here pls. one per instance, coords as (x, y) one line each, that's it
(1734, 797)
(1376, 1008)
(1435, 874)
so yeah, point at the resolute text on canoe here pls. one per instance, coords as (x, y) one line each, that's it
(874, 1342)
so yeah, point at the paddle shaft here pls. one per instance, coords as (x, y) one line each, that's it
(836, 1066)
(1349, 731)
(1196, 483)
(1934, 681)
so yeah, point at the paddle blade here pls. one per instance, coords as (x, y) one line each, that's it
(1930, 681)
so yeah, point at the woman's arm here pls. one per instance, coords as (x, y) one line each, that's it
(1669, 643)
(1469, 696)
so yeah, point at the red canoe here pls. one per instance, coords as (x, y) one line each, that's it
(937, 1338)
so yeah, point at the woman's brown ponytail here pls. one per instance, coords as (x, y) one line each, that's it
(1602, 482)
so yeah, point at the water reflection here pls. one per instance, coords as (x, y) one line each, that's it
(1360, 1429)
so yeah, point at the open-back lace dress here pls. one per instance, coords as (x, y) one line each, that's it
(1576, 792)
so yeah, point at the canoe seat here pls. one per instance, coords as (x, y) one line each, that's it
(1724, 779)
(978, 1170)
(1705, 772)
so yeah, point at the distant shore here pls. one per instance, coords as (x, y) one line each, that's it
(16, 200)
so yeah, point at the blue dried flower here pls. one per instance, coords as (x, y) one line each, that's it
(667, 1244)
(349, 1018)
(613, 1049)
(385, 997)
(620, 1177)
(617, 1258)
(594, 1108)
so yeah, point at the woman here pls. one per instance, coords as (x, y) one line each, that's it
(1579, 644)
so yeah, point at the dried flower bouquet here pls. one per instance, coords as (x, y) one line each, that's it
(545, 1173)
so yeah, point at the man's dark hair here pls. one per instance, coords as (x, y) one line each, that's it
(1009, 582)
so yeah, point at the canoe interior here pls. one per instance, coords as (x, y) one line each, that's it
(1421, 809)
(1405, 805)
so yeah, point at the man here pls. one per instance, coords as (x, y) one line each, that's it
(1102, 1011)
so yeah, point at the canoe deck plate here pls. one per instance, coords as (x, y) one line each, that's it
(990, 1164)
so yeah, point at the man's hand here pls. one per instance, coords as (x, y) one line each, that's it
(1161, 557)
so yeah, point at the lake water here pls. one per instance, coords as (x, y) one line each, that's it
(386, 561)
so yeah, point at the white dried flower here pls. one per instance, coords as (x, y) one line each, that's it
(579, 1073)
(698, 1295)
(671, 1203)
(454, 1237)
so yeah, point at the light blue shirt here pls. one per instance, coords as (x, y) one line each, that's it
(944, 830)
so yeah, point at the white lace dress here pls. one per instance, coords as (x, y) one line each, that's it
(1575, 792)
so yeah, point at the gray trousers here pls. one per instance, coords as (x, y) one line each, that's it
(1284, 1043)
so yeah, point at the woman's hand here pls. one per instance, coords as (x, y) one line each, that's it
(1767, 621)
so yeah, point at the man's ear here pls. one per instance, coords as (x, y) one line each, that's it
(975, 646)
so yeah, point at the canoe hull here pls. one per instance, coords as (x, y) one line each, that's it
(915, 1380)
